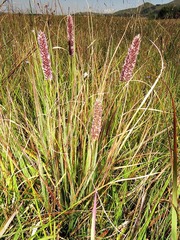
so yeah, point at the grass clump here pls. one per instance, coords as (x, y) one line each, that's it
(85, 141)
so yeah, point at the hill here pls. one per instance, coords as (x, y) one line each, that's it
(150, 10)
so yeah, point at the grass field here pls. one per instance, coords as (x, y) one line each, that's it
(56, 182)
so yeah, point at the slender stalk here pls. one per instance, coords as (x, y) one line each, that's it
(93, 225)
(174, 176)
(174, 222)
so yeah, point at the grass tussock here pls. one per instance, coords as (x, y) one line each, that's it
(84, 155)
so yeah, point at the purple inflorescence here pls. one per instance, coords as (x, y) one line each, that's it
(70, 34)
(45, 57)
(130, 60)
(97, 118)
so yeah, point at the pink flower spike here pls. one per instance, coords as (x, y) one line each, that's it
(130, 60)
(70, 34)
(97, 119)
(45, 57)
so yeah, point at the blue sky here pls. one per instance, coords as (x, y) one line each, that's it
(83, 5)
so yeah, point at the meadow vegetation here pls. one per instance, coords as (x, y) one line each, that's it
(51, 169)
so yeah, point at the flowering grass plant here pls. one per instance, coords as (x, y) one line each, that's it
(86, 138)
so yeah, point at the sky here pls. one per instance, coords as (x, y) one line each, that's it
(72, 6)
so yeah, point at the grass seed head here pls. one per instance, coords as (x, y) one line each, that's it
(45, 56)
(97, 119)
(131, 58)
(70, 34)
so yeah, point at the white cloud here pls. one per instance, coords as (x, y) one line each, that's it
(109, 10)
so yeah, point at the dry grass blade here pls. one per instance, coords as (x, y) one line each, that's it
(17, 65)
(8, 222)
(3, 3)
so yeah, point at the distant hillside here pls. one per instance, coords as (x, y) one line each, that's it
(150, 10)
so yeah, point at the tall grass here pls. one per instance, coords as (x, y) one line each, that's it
(54, 173)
